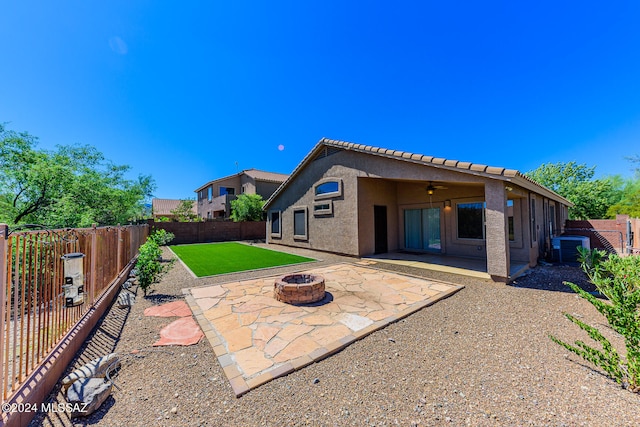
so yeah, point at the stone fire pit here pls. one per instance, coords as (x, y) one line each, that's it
(299, 288)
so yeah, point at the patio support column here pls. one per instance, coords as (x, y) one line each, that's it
(496, 231)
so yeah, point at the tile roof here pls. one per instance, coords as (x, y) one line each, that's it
(456, 165)
(163, 207)
(266, 176)
(256, 174)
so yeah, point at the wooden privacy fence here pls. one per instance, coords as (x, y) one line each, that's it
(32, 302)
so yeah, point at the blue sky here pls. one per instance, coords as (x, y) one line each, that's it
(192, 91)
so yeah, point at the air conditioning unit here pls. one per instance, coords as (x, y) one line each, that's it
(565, 248)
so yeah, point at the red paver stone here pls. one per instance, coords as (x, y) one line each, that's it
(184, 331)
(170, 309)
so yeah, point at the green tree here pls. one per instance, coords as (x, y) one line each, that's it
(591, 197)
(184, 212)
(635, 159)
(629, 203)
(247, 207)
(71, 186)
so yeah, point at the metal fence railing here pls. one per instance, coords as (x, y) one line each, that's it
(34, 313)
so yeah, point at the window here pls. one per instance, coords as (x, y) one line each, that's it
(275, 223)
(209, 193)
(329, 187)
(471, 220)
(512, 232)
(534, 232)
(300, 223)
(323, 208)
(227, 190)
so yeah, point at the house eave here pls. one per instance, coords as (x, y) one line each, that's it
(474, 169)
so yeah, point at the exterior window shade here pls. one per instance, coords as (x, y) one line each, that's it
(534, 227)
(275, 224)
(300, 223)
(511, 225)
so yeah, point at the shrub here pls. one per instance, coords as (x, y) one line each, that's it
(247, 207)
(149, 265)
(161, 236)
(618, 279)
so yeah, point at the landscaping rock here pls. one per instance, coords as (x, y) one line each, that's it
(87, 394)
(126, 299)
(97, 368)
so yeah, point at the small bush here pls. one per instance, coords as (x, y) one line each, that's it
(149, 265)
(161, 236)
(247, 207)
(618, 279)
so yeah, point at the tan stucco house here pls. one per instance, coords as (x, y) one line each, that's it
(214, 198)
(360, 200)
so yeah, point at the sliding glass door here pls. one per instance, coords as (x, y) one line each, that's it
(422, 229)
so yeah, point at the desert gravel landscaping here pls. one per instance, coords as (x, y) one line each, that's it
(481, 357)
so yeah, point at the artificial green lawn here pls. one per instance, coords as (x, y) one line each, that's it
(209, 259)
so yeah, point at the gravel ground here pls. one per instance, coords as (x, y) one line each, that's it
(481, 358)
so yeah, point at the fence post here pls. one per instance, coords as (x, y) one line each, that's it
(4, 239)
(120, 247)
(94, 256)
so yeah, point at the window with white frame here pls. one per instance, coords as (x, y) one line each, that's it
(323, 208)
(300, 223)
(328, 187)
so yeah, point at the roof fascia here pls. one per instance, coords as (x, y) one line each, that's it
(502, 174)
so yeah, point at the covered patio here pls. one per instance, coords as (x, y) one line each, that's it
(464, 266)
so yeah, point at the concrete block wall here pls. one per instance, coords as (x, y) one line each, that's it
(212, 231)
(608, 234)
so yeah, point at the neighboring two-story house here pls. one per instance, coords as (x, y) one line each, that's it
(214, 198)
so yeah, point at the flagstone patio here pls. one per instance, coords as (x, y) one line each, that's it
(257, 338)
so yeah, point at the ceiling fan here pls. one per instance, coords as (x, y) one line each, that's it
(432, 188)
